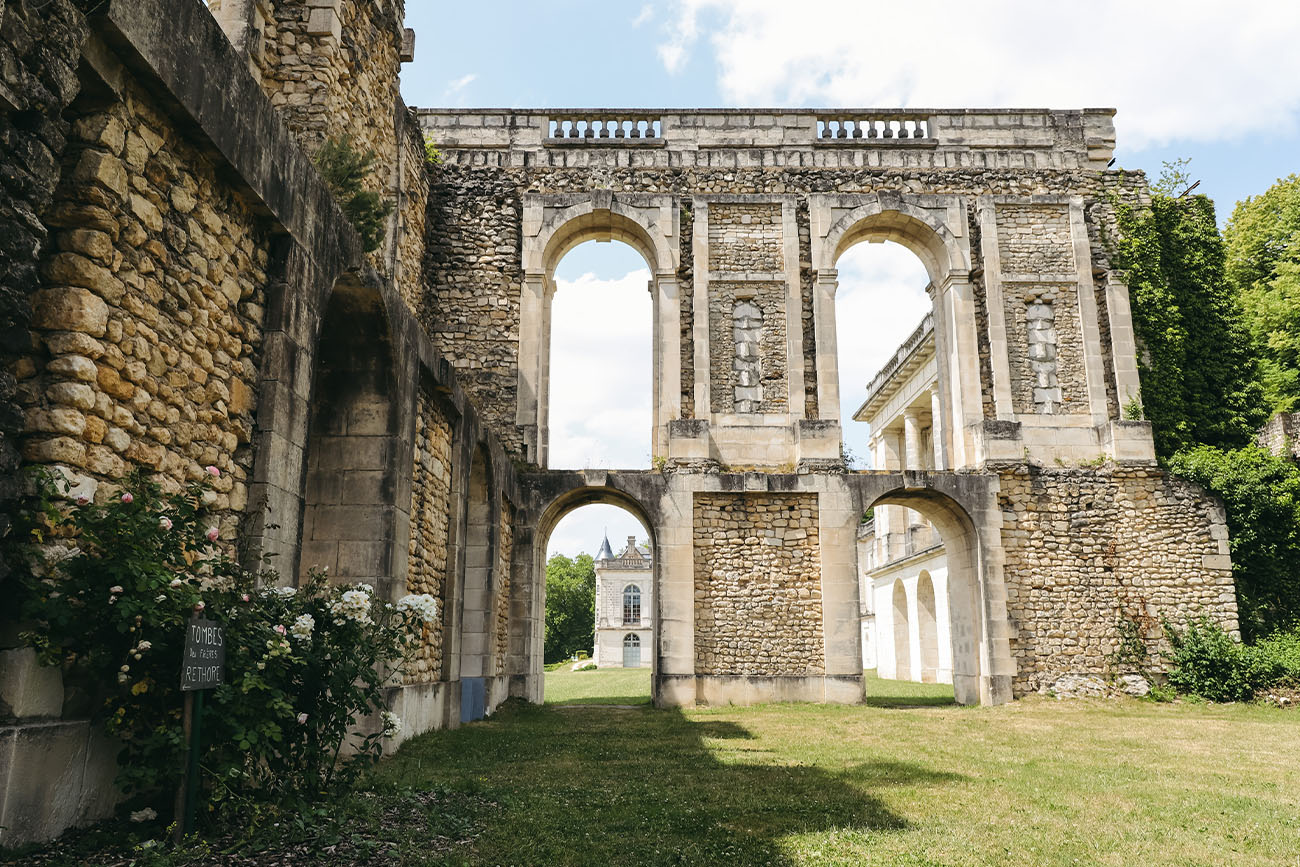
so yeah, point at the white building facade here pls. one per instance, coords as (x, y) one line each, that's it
(903, 572)
(624, 607)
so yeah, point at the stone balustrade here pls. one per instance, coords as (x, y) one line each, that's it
(920, 138)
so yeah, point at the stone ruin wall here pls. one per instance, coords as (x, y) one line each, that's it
(431, 502)
(474, 277)
(758, 598)
(765, 351)
(39, 50)
(501, 602)
(1085, 549)
(149, 318)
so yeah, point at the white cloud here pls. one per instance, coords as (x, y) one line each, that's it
(455, 89)
(1192, 70)
(880, 301)
(581, 530)
(647, 12)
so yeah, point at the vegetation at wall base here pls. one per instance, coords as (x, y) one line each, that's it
(108, 590)
(344, 170)
(1211, 664)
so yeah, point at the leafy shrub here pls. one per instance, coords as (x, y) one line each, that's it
(1213, 665)
(108, 593)
(344, 170)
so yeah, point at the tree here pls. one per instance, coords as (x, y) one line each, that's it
(570, 606)
(1199, 379)
(1263, 263)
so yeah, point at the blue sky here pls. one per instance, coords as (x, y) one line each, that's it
(1217, 84)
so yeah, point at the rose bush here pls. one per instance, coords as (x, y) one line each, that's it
(107, 596)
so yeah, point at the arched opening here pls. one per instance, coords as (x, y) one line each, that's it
(955, 563)
(880, 304)
(902, 634)
(599, 392)
(927, 628)
(350, 510)
(617, 584)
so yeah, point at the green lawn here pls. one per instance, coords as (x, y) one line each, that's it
(601, 686)
(1034, 782)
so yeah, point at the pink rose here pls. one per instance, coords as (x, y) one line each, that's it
(199, 606)
(243, 597)
(165, 522)
(127, 498)
(213, 471)
(82, 500)
(213, 533)
(279, 627)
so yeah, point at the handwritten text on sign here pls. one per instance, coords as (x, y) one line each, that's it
(205, 655)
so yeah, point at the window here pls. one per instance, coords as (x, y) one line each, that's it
(631, 607)
(631, 651)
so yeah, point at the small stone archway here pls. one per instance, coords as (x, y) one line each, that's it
(933, 227)
(550, 497)
(927, 628)
(964, 510)
(902, 633)
(552, 226)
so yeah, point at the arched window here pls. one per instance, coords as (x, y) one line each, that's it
(631, 650)
(631, 606)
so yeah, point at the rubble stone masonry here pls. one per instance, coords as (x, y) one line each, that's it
(1086, 548)
(430, 520)
(758, 598)
(150, 313)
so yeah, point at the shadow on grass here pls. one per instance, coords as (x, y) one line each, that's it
(583, 786)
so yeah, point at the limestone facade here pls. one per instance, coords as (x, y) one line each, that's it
(625, 604)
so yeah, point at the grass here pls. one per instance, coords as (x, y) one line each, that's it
(903, 693)
(601, 686)
(1034, 782)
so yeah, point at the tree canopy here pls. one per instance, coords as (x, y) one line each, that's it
(570, 606)
(1263, 262)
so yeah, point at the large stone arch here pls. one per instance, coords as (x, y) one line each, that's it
(933, 227)
(964, 509)
(551, 496)
(555, 224)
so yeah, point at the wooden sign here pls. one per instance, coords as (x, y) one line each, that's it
(204, 663)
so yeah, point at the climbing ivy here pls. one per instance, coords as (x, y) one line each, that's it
(1199, 380)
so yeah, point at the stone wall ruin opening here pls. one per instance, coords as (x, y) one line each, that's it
(927, 628)
(902, 634)
(975, 678)
(566, 505)
(598, 392)
(553, 226)
(880, 302)
(351, 510)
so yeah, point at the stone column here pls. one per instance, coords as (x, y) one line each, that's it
(828, 360)
(668, 357)
(957, 344)
(936, 428)
(532, 303)
(912, 438)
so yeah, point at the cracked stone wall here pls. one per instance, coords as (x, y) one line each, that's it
(149, 316)
(430, 520)
(766, 355)
(1045, 348)
(1086, 548)
(745, 238)
(758, 605)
